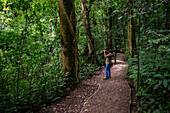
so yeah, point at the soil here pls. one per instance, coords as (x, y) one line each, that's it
(95, 95)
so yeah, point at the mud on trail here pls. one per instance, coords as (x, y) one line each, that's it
(95, 95)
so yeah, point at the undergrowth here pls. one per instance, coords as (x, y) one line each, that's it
(154, 72)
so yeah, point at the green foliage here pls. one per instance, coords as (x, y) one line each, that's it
(30, 55)
(86, 68)
(154, 55)
(30, 68)
(154, 71)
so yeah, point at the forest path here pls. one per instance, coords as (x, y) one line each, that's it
(113, 95)
(95, 95)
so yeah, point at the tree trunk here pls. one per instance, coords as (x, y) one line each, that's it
(117, 36)
(110, 28)
(124, 34)
(90, 40)
(106, 29)
(167, 15)
(131, 33)
(69, 46)
(138, 75)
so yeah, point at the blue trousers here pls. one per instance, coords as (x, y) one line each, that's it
(107, 70)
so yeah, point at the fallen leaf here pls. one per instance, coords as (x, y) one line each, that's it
(86, 109)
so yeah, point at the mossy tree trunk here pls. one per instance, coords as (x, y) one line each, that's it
(68, 40)
(131, 33)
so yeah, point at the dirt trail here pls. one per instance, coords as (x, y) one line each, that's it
(95, 95)
(113, 95)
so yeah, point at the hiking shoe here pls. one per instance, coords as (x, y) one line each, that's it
(105, 78)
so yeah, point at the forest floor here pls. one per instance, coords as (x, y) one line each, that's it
(95, 95)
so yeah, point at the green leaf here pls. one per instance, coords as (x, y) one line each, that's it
(156, 111)
(57, 98)
(60, 91)
(165, 83)
(152, 100)
(157, 85)
(142, 13)
(169, 88)
(120, 17)
(131, 16)
(167, 75)
(158, 75)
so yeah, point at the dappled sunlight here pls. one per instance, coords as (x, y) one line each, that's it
(117, 61)
(119, 67)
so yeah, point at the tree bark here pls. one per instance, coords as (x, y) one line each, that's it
(69, 46)
(124, 34)
(167, 15)
(131, 33)
(116, 40)
(110, 28)
(138, 74)
(106, 28)
(90, 40)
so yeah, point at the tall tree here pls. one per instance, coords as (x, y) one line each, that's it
(131, 33)
(90, 40)
(106, 26)
(110, 27)
(167, 15)
(68, 39)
